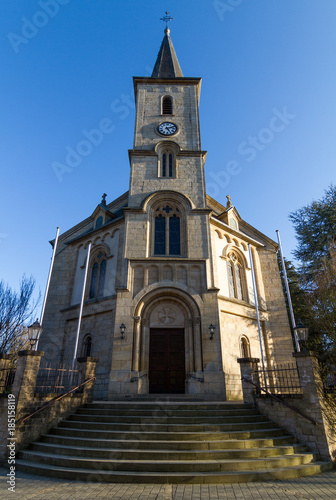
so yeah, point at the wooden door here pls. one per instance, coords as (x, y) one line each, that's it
(166, 361)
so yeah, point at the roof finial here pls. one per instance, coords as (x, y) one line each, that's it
(103, 202)
(228, 204)
(166, 19)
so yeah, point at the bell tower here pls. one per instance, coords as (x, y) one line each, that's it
(166, 154)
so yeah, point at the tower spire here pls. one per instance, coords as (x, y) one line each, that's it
(167, 65)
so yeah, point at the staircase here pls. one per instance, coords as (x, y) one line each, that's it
(168, 442)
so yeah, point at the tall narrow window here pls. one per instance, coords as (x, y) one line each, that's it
(164, 165)
(167, 231)
(245, 348)
(87, 346)
(167, 164)
(231, 282)
(174, 235)
(235, 277)
(101, 278)
(170, 165)
(167, 105)
(238, 282)
(93, 283)
(160, 235)
(98, 272)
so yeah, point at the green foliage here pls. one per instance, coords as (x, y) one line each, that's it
(313, 284)
(315, 227)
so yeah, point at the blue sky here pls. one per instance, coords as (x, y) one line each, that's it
(267, 108)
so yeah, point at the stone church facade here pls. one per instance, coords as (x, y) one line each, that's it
(167, 262)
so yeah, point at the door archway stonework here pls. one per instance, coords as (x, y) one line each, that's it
(168, 308)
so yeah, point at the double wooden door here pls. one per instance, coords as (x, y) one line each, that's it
(166, 361)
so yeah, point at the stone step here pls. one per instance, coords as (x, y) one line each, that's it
(198, 465)
(163, 419)
(226, 477)
(164, 454)
(162, 405)
(166, 412)
(153, 426)
(171, 436)
(148, 444)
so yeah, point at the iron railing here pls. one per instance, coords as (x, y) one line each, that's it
(51, 379)
(78, 388)
(280, 379)
(299, 412)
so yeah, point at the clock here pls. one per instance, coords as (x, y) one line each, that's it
(167, 128)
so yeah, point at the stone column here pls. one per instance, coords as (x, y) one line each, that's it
(5, 360)
(198, 345)
(315, 404)
(137, 339)
(249, 370)
(25, 378)
(89, 370)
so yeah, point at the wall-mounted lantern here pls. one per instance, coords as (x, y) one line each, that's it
(212, 331)
(122, 330)
(302, 334)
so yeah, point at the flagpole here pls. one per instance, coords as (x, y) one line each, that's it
(290, 305)
(257, 313)
(81, 307)
(48, 280)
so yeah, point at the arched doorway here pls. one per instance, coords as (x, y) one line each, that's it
(167, 341)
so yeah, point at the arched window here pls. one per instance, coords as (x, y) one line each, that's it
(167, 105)
(245, 351)
(87, 346)
(167, 231)
(99, 222)
(167, 163)
(236, 277)
(98, 271)
(167, 152)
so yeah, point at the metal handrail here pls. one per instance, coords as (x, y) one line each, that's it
(22, 420)
(314, 422)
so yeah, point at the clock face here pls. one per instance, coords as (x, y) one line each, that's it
(167, 128)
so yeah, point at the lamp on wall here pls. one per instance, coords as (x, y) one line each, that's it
(122, 330)
(302, 335)
(34, 332)
(212, 331)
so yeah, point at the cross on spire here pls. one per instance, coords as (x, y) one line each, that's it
(167, 18)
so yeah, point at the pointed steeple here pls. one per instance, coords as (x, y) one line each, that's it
(167, 65)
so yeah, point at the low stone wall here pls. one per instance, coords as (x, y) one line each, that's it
(14, 434)
(320, 438)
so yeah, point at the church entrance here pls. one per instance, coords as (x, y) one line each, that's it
(166, 361)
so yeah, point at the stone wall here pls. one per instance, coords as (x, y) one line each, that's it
(25, 401)
(318, 430)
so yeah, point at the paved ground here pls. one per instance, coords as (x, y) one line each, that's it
(321, 486)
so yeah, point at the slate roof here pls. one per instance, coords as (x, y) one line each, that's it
(167, 65)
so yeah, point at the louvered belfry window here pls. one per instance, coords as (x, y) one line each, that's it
(167, 105)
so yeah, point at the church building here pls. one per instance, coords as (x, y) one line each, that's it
(169, 300)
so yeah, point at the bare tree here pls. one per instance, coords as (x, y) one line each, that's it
(16, 313)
